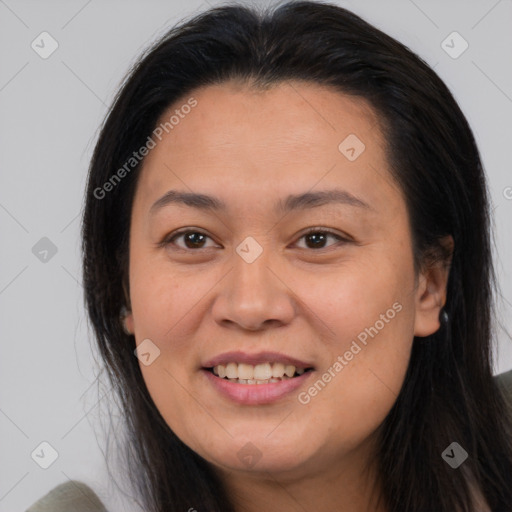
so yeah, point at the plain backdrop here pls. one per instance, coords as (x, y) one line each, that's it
(50, 111)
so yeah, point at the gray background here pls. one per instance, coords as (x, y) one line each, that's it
(50, 111)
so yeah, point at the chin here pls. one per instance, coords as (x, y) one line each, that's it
(269, 464)
(258, 454)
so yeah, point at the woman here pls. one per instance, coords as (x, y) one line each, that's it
(259, 367)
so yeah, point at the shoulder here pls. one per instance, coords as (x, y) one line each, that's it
(504, 381)
(72, 495)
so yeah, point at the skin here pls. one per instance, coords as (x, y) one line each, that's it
(251, 148)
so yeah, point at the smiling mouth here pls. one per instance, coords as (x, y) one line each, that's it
(266, 373)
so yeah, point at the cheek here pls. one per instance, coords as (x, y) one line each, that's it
(165, 308)
(160, 297)
(371, 318)
(357, 299)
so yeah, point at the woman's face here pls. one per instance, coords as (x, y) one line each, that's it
(246, 284)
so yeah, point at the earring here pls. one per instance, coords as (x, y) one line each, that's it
(122, 318)
(444, 317)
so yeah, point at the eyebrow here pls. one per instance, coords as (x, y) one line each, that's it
(303, 201)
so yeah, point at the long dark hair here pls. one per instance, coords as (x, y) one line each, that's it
(449, 393)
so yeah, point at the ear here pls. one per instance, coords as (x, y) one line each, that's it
(127, 315)
(431, 291)
(128, 323)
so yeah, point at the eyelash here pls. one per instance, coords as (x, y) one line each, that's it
(173, 236)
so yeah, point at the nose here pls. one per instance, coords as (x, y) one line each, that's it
(255, 296)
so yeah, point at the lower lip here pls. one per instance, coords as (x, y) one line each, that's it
(256, 394)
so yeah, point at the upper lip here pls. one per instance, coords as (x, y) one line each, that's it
(238, 356)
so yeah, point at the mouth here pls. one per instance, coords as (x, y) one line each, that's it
(259, 374)
(255, 380)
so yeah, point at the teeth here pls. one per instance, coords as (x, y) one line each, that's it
(232, 371)
(289, 370)
(257, 374)
(254, 381)
(263, 371)
(245, 371)
(277, 370)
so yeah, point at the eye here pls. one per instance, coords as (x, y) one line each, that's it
(318, 236)
(193, 239)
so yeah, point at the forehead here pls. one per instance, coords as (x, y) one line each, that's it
(241, 139)
(232, 115)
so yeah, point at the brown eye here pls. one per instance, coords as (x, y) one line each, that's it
(191, 239)
(316, 238)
